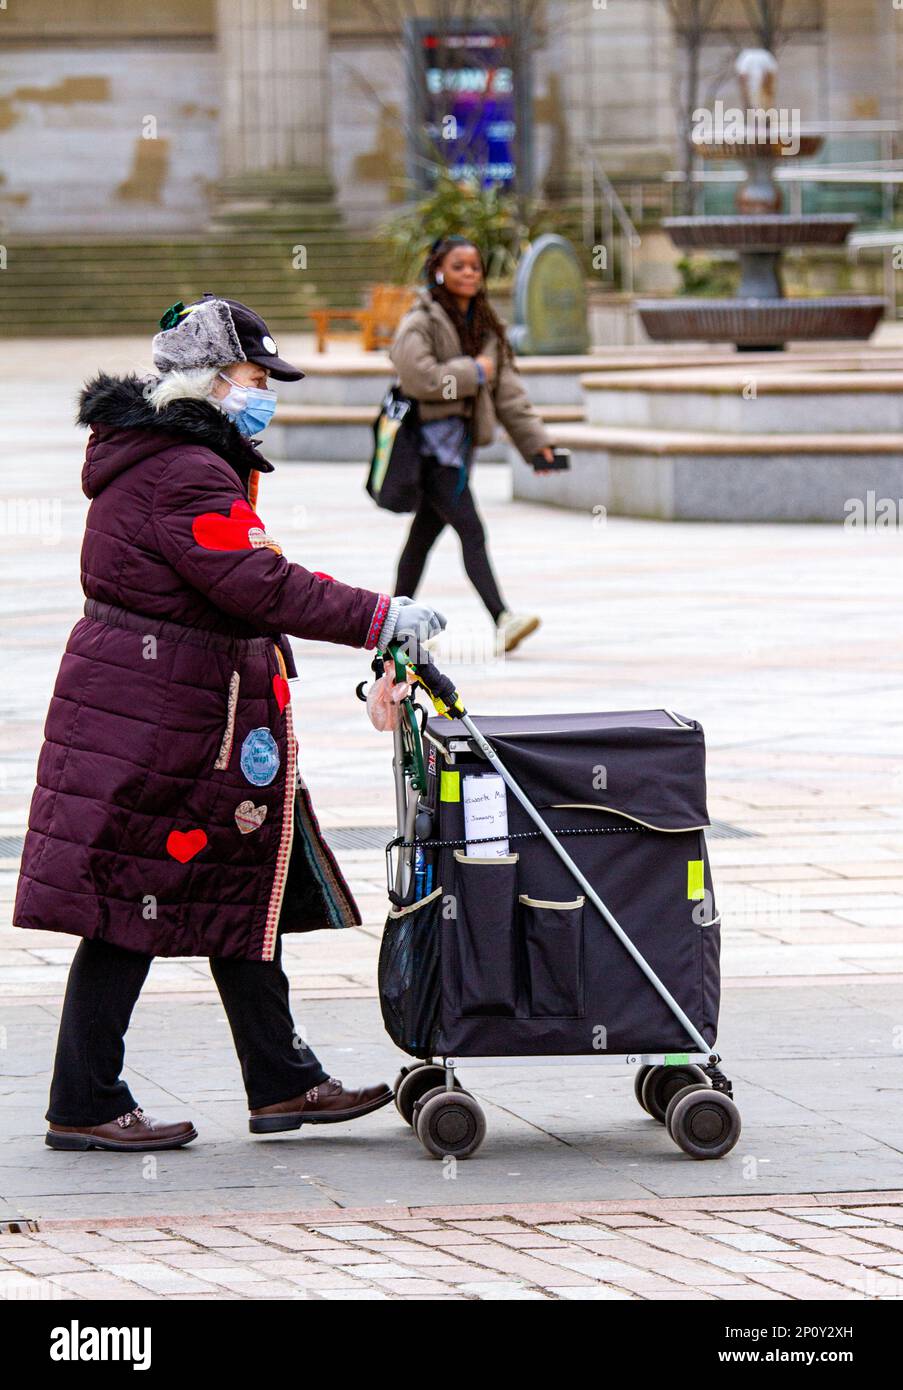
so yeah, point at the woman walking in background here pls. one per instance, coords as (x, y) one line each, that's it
(453, 358)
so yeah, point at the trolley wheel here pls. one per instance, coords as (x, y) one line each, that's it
(661, 1083)
(638, 1080)
(450, 1124)
(414, 1082)
(705, 1126)
(403, 1073)
(679, 1095)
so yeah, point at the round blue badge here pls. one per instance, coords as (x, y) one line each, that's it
(259, 757)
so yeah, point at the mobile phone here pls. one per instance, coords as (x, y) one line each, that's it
(561, 458)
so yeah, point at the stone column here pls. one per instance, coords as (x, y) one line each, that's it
(858, 58)
(613, 68)
(274, 58)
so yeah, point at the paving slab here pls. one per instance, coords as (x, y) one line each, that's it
(811, 1076)
(780, 640)
(662, 1260)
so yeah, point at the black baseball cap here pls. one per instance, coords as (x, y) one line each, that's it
(257, 342)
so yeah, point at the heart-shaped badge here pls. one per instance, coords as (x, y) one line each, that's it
(249, 817)
(185, 844)
(282, 691)
(232, 532)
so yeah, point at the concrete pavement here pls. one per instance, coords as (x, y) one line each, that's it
(782, 640)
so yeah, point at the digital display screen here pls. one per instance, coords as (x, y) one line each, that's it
(470, 104)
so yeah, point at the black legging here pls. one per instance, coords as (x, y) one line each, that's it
(441, 505)
(103, 988)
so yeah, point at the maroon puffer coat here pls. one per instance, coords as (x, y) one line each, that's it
(165, 817)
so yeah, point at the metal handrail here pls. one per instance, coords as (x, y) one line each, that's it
(818, 173)
(880, 240)
(886, 131)
(884, 178)
(614, 211)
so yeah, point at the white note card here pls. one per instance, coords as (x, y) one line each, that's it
(486, 815)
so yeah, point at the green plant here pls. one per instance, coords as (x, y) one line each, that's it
(492, 217)
(709, 279)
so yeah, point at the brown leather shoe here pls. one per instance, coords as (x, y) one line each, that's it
(134, 1131)
(325, 1104)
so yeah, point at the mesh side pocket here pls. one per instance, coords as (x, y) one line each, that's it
(408, 975)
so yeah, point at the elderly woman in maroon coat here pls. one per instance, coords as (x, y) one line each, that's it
(170, 817)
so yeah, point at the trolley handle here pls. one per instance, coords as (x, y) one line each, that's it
(412, 661)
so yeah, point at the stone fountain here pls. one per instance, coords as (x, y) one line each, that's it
(760, 317)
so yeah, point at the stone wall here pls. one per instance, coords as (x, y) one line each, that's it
(861, 81)
(612, 78)
(112, 138)
(79, 81)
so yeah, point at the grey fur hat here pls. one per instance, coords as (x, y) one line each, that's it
(215, 332)
(204, 335)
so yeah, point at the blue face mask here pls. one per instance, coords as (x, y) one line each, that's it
(250, 407)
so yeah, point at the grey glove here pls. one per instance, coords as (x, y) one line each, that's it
(409, 623)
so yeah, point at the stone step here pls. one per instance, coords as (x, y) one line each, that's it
(746, 400)
(97, 285)
(118, 277)
(344, 433)
(689, 475)
(140, 298)
(76, 246)
(334, 378)
(302, 291)
(234, 252)
(811, 356)
(90, 317)
(275, 276)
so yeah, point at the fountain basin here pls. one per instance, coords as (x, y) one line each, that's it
(804, 147)
(760, 322)
(765, 232)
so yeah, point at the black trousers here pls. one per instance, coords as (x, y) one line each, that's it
(102, 990)
(443, 504)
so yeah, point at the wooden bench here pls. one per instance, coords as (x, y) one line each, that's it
(378, 320)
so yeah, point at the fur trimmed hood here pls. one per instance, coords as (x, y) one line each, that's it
(126, 428)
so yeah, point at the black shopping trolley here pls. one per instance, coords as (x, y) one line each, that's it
(550, 897)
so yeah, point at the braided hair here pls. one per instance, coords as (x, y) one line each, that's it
(475, 326)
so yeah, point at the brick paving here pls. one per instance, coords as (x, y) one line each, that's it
(715, 1249)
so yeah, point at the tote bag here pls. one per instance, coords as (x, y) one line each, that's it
(393, 479)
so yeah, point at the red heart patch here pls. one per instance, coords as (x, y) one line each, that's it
(282, 692)
(216, 532)
(185, 844)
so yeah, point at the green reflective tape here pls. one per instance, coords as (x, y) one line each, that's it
(695, 880)
(450, 786)
(676, 1059)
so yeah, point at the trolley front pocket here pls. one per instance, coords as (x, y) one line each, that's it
(485, 927)
(553, 938)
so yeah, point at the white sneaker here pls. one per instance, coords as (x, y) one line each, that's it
(512, 628)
